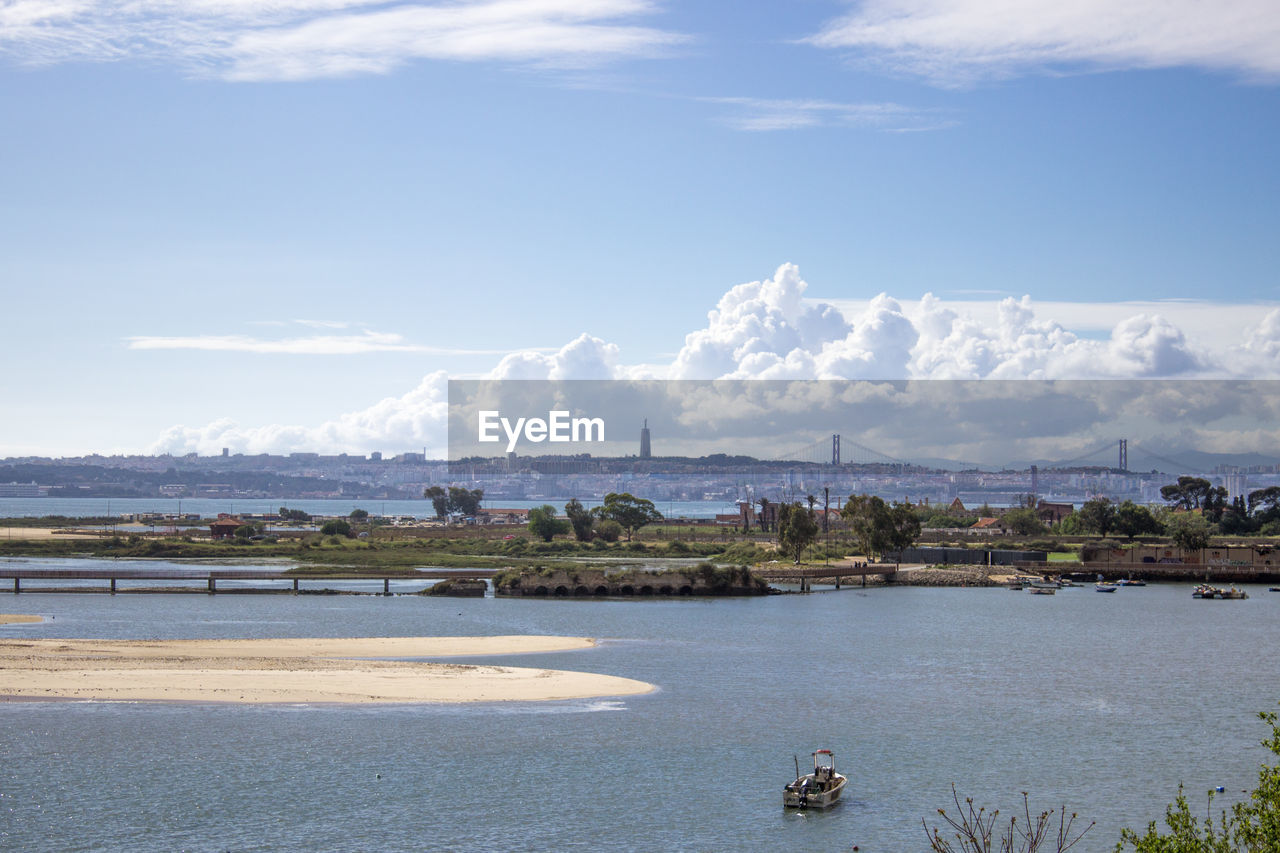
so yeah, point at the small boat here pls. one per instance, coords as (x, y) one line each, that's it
(818, 789)
(1105, 586)
(1042, 587)
(1206, 592)
(1130, 582)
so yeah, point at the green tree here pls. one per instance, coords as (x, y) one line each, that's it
(1069, 526)
(1098, 515)
(1024, 521)
(607, 530)
(904, 527)
(797, 528)
(543, 522)
(1252, 826)
(630, 512)
(465, 501)
(764, 514)
(1187, 493)
(1133, 520)
(336, 527)
(870, 521)
(1189, 531)
(456, 499)
(358, 515)
(1265, 503)
(439, 500)
(580, 518)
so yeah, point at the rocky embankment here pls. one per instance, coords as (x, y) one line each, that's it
(951, 575)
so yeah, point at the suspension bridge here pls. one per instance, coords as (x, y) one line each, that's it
(1117, 454)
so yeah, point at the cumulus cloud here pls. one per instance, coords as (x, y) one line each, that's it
(956, 41)
(414, 419)
(304, 39)
(768, 329)
(758, 327)
(585, 357)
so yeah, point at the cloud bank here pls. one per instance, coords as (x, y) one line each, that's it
(768, 329)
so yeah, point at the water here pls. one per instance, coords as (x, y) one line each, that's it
(1104, 702)
(210, 507)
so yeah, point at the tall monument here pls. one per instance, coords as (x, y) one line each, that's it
(645, 451)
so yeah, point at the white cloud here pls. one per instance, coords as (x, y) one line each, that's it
(415, 419)
(362, 341)
(767, 329)
(956, 41)
(304, 39)
(762, 114)
(585, 357)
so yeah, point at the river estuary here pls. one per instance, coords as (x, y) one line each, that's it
(1104, 702)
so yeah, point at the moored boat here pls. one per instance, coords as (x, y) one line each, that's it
(818, 789)
(1106, 586)
(1219, 593)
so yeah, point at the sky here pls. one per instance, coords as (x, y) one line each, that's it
(282, 227)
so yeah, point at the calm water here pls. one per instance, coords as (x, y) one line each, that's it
(1105, 702)
(210, 507)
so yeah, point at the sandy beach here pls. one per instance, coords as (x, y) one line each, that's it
(294, 670)
(15, 618)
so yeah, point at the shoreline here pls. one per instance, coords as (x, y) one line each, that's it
(369, 670)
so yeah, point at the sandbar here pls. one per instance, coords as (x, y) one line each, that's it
(50, 533)
(296, 670)
(15, 618)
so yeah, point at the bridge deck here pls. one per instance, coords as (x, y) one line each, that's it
(210, 577)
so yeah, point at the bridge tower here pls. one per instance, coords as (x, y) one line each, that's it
(835, 449)
(1124, 454)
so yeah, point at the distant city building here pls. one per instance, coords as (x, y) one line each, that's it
(646, 452)
(22, 490)
(375, 456)
(1237, 483)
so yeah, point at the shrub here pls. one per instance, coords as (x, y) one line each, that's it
(608, 530)
(336, 527)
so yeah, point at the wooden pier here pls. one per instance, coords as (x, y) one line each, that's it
(210, 577)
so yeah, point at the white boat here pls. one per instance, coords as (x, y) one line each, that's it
(818, 789)
(1106, 586)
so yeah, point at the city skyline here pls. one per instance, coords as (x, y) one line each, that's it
(283, 229)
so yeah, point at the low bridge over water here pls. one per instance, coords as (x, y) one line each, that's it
(831, 573)
(210, 577)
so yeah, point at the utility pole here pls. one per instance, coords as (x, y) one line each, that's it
(826, 524)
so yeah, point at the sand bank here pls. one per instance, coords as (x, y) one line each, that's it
(293, 670)
(49, 533)
(14, 618)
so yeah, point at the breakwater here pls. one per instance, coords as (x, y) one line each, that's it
(705, 579)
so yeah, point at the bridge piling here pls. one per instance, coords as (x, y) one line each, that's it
(213, 586)
(386, 586)
(113, 586)
(295, 586)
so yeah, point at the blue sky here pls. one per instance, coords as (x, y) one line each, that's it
(280, 227)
